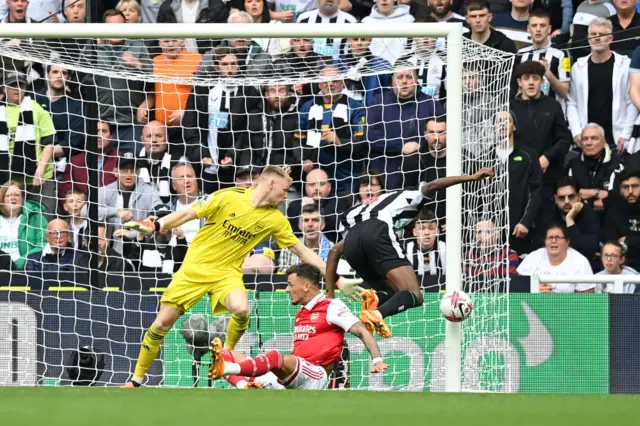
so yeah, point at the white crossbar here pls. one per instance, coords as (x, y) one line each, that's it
(155, 31)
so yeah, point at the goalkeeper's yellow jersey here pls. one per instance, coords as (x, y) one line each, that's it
(232, 229)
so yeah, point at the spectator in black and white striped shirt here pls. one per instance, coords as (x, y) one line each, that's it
(556, 62)
(426, 252)
(328, 13)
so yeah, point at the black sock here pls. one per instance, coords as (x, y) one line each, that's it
(400, 301)
(384, 296)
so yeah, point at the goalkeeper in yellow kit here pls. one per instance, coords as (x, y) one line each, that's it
(237, 219)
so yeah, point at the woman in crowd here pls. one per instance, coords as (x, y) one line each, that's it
(131, 11)
(22, 224)
(259, 12)
(557, 258)
(369, 187)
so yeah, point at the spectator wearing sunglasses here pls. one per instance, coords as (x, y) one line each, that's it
(581, 221)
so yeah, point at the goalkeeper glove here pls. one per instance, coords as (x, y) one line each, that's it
(350, 288)
(142, 226)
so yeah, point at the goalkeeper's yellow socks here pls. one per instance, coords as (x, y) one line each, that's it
(148, 351)
(236, 328)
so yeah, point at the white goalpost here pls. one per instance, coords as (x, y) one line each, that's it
(426, 352)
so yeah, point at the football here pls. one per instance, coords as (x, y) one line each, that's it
(456, 306)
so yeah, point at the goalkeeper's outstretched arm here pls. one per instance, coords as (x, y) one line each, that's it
(176, 219)
(430, 188)
(308, 256)
(168, 222)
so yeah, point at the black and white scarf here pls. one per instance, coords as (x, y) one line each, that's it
(339, 120)
(22, 161)
(217, 95)
(156, 172)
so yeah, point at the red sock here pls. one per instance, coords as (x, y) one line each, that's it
(261, 364)
(227, 355)
(234, 380)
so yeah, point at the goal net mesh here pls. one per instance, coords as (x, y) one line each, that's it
(178, 119)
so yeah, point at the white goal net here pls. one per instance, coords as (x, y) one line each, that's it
(95, 132)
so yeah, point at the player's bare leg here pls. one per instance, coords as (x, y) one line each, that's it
(282, 366)
(237, 303)
(166, 318)
(403, 279)
(407, 295)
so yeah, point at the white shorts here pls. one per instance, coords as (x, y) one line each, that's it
(306, 377)
(269, 381)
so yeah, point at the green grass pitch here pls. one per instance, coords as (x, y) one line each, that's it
(186, 407)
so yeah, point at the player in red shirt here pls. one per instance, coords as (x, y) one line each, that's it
(318, 338)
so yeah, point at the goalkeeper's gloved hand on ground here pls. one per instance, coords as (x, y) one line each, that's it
(350, 288)
(143, 226)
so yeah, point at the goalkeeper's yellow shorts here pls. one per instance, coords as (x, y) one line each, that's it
(182, 294)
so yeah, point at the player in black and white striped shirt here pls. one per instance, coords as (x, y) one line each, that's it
(372, 248)
(328, 13)
(556, 62)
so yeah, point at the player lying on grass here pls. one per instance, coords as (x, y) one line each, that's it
(318, 337)
(372, 249)
(237, 219)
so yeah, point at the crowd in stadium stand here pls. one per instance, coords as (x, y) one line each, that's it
(359, 129)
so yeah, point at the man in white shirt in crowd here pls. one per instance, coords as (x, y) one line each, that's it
(386, 12)
(603, 76)
(74, 11)
(586, 12)
(36, 10)
(75, 204)
(185, 185)
(634, 93)
(613, 258)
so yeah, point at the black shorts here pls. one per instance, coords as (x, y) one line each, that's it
(372, 249)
